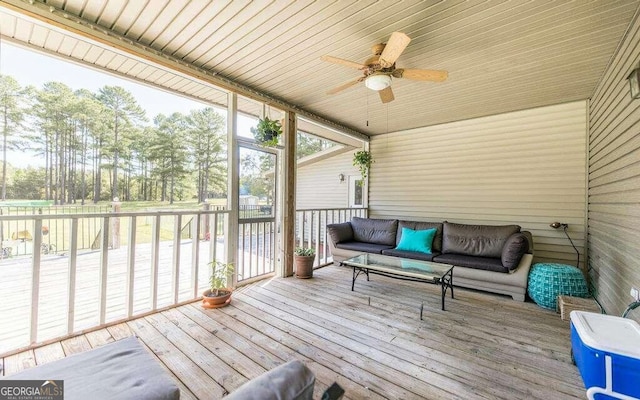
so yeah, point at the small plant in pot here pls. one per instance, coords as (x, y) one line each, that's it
(219, 295)
(363, 160)
(303, 260)
(267, 132)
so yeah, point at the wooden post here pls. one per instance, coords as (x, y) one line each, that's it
(116, 206)
(233, 187)
(204, 222)
(288, 190)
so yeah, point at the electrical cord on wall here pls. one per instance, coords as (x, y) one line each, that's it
(564, 229)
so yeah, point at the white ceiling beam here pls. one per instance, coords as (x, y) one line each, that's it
(79, 26)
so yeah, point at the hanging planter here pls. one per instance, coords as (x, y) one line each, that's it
(363, 160)
(267, 132)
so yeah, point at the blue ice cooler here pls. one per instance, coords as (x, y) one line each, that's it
(606, 350)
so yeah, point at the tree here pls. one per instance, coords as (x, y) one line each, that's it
(12, 98)
(207, 142)
(27, 184)
(124, 115)
(308, 144)
(170, 152)
(55, 136)
(90, 115)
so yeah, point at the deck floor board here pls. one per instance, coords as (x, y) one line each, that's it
(371, 341)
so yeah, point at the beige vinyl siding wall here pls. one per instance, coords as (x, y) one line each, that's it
(318, 185)
(526, 168)
(614, 180)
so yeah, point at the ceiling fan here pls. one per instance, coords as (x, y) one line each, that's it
(379, 68)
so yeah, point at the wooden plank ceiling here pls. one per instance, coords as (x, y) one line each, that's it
(501, 55)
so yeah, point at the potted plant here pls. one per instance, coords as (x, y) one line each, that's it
(267, 132)
(363, 160)
(219, 295)
(303, 260)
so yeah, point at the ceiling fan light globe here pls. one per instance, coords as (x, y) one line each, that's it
(378, 82)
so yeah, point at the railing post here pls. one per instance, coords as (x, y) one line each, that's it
(131, 263)
(175, 277)
(104, 261)
(73, 259)
(116, 206)
(155, 260)
(35, 280)
(206, 224)
(195, 253)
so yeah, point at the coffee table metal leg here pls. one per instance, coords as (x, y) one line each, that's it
(353, 281)
(446, 283)
(451, 281)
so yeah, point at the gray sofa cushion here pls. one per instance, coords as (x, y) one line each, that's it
(378, 231)
(420, 226)
(416, 255)
(476, 240)
(484, 263)
(364, 247)
(340, 232)
(290, 381)
(515, 247)
(119, 370)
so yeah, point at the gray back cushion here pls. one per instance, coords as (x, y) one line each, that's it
(476, 240)
(340, 232)
(420, 226)
(515, 247)
(378, 231)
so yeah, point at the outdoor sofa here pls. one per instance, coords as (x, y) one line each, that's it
(491, 258)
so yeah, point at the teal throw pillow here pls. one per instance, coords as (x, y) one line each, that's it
(419, 241)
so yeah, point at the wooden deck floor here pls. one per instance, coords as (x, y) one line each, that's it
(370, 341)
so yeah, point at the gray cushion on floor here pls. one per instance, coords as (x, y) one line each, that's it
(290, 381)
(364, 247)
(120, 370)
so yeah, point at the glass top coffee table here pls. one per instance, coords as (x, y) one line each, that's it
(403, 268)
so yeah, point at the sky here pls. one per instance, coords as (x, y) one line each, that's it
(32, 68)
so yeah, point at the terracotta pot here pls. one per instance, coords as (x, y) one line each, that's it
(222, 300)
(304, 266)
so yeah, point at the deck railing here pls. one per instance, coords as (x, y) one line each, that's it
(311, 229)
(256, 248)
(141, 263)
(16, 234)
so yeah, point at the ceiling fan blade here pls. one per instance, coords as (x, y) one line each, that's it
(386, 95)
(345, 86)
(394, 47)
(421, 74)
(347, 63)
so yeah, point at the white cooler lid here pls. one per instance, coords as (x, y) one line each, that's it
(608, 333)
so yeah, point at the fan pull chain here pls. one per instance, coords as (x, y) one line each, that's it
(366, 94)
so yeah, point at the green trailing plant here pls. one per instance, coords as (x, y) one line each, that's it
(363, 160)
(267, 132)
(219, 275)
(304, 251)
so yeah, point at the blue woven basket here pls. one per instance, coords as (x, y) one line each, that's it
(547, 281)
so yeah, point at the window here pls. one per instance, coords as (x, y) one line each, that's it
(356, 191)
